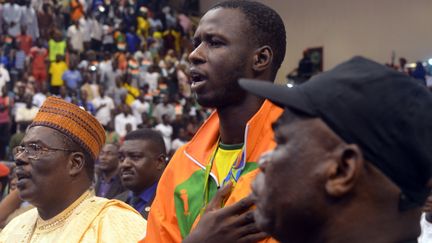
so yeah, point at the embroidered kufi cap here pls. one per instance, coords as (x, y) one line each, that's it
(74, 122)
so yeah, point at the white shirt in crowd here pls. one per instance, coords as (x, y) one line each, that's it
(166, 131)
(152, 80)
(96, 29)
(162, 109)
(426, 230)
(12, 16)
(86, 27)
(76, 37)
(177, 143)
(120, 122)
(4, 76)
(29, 19)
(138, 108)
(24, 114)
(38, 99)
(103, 115)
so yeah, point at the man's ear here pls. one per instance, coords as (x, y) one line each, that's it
(161, 162)
(76, 163)
(344, 171)
(263, 59)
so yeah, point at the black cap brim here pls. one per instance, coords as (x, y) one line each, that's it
(281, 95)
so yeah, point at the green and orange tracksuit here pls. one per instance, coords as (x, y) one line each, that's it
(180, 194)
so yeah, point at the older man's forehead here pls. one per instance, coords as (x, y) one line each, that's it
(45, 135)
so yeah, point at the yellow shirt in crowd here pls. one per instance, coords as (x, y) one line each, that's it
(56, 70)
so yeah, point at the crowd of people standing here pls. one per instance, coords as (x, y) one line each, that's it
(125, 62)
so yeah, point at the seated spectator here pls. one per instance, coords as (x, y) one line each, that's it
(108, 183)
(345, 169)
(62, 152)
(142, 161)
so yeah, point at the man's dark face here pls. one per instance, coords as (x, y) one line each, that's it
(42, 172)
(139, 164)
(222, 55)
(109, 158)
(287, 192)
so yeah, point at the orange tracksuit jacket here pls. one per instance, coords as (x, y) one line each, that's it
(180, 192)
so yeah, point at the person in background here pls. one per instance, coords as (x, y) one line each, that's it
(5, 121)
(166, 130)
(124, 118)
(108, 183)
(142, 161)
(72, 77)
(38, 55)
(104, 107)
(56, 71)
(140, 106)
(4, 179)
(55, 169)
(25, 115)
(12, 13)
(56, 46)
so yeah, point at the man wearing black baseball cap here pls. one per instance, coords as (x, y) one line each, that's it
(353, 160)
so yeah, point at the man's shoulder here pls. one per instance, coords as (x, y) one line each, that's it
(27, 218)
(120, 212)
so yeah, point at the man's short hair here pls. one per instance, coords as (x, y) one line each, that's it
(266, 27)
(150, 135)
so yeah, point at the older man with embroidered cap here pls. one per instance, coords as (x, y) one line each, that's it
(353, 157)
(55, 164)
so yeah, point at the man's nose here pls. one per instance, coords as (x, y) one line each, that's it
(21, 159)
(197, 56)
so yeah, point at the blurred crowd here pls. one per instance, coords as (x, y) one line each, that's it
(125, 62)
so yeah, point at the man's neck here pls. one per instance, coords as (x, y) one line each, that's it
(381, 227)
(233, 119)
(55, 207)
